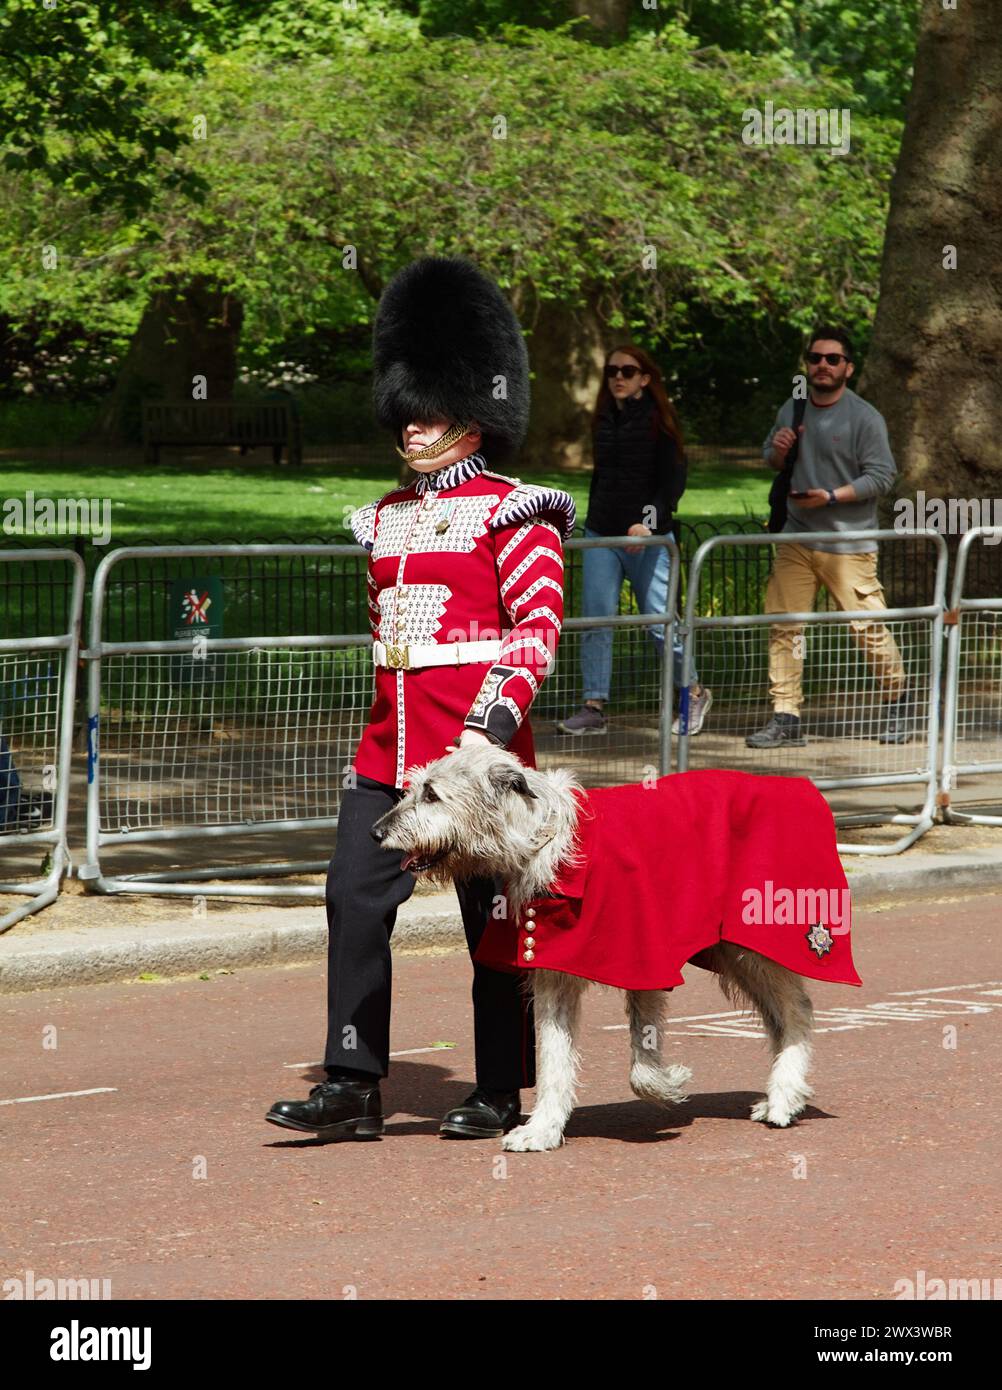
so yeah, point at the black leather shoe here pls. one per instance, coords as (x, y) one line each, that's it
(334, 1108)
(483, 1115)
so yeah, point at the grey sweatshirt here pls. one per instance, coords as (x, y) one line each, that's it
(841, 443)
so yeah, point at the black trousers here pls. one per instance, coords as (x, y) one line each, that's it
(365, 886)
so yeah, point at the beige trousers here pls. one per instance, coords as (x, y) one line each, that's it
(851, 580)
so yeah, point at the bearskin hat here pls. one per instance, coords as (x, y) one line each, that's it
(447, 346)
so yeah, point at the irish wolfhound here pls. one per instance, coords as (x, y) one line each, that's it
(479, 812)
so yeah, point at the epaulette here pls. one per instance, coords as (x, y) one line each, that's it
(529, 499)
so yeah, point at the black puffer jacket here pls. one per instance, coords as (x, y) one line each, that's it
(637, 465)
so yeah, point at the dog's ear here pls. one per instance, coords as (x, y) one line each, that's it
(511, 779)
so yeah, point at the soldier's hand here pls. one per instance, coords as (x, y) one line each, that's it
(466, 738)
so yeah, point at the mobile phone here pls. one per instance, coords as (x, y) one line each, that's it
(798, 494)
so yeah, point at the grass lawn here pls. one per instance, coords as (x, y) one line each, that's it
(224, 498)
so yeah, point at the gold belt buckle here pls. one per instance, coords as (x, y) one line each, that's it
(397, 658)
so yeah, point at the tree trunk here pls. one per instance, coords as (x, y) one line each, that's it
(566, 352)
(187, 331)
(935, 365)
(609, 18)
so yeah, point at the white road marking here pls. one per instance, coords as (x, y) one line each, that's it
(115, 1240)
(686, 1018)
(410, 1051)
(943, 989)
(89, 1240)
(60, 1095)
(405, 1052)
(737, 1023)
(909, 1006)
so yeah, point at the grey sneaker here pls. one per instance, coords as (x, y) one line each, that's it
(897, 721)
(782, 731)
(588, 720)
(699, 708)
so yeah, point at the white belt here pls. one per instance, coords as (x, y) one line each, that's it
(435, 653)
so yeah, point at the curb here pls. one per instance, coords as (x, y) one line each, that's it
(287, 936)
(276, 936)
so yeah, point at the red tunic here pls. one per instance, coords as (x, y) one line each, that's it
(461, 555)
(672, 868)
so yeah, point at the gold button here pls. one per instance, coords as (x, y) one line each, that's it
(530, 912)
(529, 941)
(529, 955)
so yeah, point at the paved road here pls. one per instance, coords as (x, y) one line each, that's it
(894, 1170)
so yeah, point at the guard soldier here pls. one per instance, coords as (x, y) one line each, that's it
(465, 599)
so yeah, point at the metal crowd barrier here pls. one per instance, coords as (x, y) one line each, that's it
(638, 737)
(213, 738)
(219, 738)
(972, 716)
(202, 743)
(842, 718)
(37, 690)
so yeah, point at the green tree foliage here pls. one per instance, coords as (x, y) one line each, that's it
(871, 43)
(294, 29)
(338, 146)
(77, 86)
(469, 17)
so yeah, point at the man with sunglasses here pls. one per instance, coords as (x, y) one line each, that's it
(843, 464)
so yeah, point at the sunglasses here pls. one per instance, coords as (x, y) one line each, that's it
(627, 373)
(832, 358)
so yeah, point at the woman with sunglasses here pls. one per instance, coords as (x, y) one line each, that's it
(638, 478)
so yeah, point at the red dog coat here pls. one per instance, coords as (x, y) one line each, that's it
(670, 869)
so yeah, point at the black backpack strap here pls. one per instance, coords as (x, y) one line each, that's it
(781, 483)
(799, 411)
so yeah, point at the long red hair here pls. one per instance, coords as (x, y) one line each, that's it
(666, 412)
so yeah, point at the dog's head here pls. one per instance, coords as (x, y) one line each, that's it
(459, 813)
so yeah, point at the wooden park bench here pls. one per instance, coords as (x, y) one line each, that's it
(246, 423)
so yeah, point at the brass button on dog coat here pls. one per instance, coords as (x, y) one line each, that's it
(667, 871)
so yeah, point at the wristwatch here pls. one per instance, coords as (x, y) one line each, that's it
(832, 499)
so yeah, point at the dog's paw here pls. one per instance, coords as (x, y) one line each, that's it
(527, 1139)
(663, 1085)
(777, 1113)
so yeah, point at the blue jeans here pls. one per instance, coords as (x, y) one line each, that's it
(10, 786)
(605, 568)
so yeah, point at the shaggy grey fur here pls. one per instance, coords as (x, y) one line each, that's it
(478, 812)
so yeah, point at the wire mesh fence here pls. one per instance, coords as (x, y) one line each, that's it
(221, 739)
(37, 684)
(972, 735)
(230, 738)
(196, 735)
(636, 739)
(244, 745)
(853, 741)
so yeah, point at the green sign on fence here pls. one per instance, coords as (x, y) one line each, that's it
(196, 607)
(195, 611)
